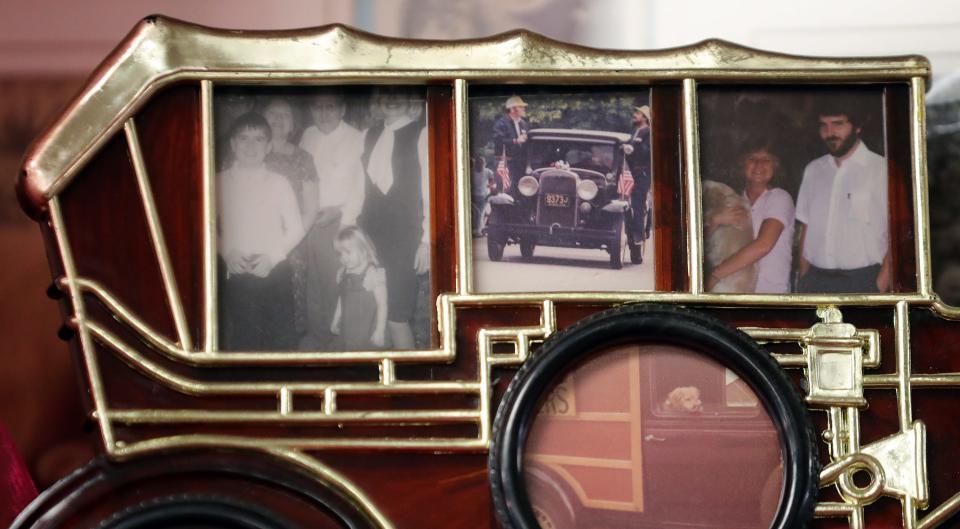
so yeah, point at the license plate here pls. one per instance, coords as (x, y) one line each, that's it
(557, 200)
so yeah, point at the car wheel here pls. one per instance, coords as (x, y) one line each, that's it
(636, 248)
(553, 504)
(616, 260)
(494, 248)
(526, 248)
(212, 489)
(548, 518)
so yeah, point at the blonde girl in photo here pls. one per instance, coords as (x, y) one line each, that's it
(361, 315)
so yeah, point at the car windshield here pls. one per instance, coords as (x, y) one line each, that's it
(592, 155)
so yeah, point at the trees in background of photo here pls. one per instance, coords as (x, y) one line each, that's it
(585, 109)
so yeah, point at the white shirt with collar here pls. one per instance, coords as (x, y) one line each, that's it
(336, 156)
(516, 126)
(380, 166)
(845, 210)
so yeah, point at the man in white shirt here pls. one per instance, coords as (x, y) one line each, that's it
(259, 223)
(845, 240)
(336, 147)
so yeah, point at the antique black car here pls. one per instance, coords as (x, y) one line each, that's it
(569, 197)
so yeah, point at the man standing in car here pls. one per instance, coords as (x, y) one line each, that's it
(510, 143)
(845, 240)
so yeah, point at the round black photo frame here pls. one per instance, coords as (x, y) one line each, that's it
(654, 324)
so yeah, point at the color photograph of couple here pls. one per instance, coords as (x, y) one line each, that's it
(794, 191)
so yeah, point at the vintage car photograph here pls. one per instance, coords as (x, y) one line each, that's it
(561, 180)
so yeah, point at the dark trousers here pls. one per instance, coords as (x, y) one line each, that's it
(322, 263)
(823, 280)
(256, 313)
(638, 220)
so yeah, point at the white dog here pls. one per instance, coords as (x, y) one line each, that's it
(726, 240)
(684, 399)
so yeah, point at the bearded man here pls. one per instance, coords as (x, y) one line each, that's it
(842, 204)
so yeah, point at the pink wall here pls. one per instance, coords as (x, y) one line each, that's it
(49, 37)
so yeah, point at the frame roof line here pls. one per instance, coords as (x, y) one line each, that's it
(161, 50)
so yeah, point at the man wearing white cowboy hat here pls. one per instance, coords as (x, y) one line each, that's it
(510, 143)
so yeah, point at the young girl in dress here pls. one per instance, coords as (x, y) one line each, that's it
(361, 314)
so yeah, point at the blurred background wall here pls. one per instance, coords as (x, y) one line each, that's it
(48, 47)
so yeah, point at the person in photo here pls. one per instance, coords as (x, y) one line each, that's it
(361, 314)
(288, 159)
(510, 144)
(229, 105)
(481, 182)
(259, 224)
(772, 216)
(336, 147)
(842, 205)
(396, 204)
(639, 161)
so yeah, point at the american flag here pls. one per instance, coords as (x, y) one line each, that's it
(503, 172)
(625, 186)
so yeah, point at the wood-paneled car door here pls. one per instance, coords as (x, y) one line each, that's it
(711, 454)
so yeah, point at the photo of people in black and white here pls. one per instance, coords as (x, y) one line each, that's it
(561, 189)
(322, 218)
(794, 191)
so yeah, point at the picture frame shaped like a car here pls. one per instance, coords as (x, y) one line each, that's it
(132, 236)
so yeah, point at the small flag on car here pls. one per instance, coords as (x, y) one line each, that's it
(625, 185)
(503, 172)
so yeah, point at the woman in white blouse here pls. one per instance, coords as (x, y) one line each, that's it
(772, 213)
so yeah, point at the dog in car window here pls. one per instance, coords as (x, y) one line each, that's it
(683, 399)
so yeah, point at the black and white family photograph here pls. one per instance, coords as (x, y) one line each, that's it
(560, 189)
(322, 218)
(794, 190)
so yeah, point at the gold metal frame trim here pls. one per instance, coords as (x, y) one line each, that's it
(691, 155)
(209, 219)
(160, 51)
(79, 321)
(325, 474)
(843, 436)
(337, 480)
(156, 235)
(463, 174)
(921, 214)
